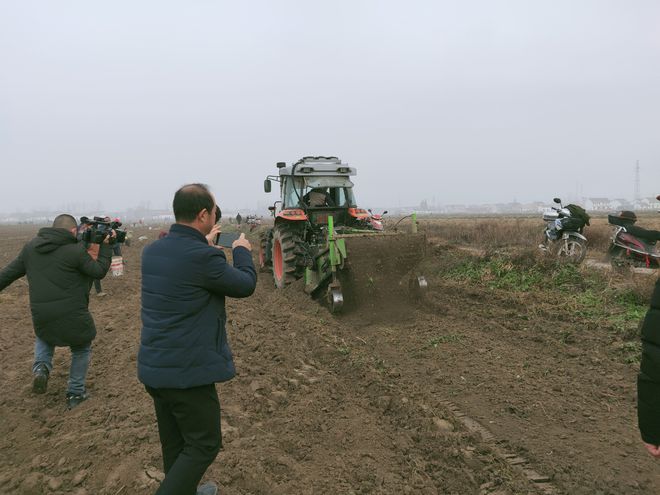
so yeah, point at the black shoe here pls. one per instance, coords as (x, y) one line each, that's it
(40, 382)
(208, 488)
(73, 400)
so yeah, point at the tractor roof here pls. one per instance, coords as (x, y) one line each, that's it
(311, 166)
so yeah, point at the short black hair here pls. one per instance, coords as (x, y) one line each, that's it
(65, 221)
(189, 200)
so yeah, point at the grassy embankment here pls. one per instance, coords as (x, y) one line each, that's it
(505, 259)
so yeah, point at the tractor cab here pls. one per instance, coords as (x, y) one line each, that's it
(315, 188)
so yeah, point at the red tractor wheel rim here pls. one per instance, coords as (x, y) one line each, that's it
(278, 265)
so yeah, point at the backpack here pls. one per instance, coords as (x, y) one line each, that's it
(579, 212)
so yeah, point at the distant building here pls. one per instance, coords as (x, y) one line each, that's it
(597, 204)
(646, 204)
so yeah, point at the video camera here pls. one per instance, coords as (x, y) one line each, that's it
(100, 228)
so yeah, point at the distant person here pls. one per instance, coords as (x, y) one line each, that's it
(239, 218)
(60, 271)
(116, 247)
(184, 349)
(648, 381)
(98, 289)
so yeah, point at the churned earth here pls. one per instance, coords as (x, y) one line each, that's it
(472, 391)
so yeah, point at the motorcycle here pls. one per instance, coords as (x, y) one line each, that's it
(632, 245)
(563, 235)
(253, 221)
(375, 221)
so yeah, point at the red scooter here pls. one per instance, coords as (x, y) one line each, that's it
(633, 245)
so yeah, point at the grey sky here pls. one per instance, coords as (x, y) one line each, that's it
(461, 101)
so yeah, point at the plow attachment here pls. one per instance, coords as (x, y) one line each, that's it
(377, 270)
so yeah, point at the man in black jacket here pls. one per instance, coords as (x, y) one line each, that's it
(648, 382)
(184, 349)
(60, 272)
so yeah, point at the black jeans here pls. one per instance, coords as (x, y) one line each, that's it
(190, 436)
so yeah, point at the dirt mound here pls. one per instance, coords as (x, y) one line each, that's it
(377, 274)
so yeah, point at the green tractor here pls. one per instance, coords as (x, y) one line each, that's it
(321, 235)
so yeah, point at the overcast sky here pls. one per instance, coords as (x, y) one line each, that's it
(464, 101)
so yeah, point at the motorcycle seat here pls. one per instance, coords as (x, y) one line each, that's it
(650, 236)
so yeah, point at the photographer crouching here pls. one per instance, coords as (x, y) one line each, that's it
(60, 271)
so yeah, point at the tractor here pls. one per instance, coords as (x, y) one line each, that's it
(319, 230)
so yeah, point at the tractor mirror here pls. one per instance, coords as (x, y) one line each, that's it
(557, 200)
(385, 212)
(267, 186)
(271, 208)
(658, 197)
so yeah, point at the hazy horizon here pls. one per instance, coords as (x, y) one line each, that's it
(473, 102)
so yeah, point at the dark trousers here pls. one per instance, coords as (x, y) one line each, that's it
(190, 436)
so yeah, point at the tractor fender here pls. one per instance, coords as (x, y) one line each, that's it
(291, 214)
(358, 213)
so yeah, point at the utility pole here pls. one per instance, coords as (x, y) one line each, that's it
(637, 193)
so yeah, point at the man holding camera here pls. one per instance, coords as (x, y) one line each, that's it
(60, 272)
(184, 349)
(93, 232)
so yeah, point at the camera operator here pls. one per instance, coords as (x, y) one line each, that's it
(92, 231)
(60, 270)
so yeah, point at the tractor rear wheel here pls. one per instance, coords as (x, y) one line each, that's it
(285, 253)
(265, 252)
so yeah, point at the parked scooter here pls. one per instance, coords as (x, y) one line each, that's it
(563, 235)
(632, 245)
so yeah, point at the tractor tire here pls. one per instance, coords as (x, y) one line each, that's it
(285, 255)
(265, 252)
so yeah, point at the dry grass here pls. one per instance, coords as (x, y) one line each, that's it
(485, 233)
(489, 233)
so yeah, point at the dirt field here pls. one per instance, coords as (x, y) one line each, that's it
(477, 390)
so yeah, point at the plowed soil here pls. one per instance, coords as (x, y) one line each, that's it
(470, 391)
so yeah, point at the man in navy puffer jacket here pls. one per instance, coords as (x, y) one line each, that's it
(184, 349)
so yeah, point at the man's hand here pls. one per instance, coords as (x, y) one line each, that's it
(242, 242)
(210, 237)
(654, 450)
(112, 235)
(93, 251)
